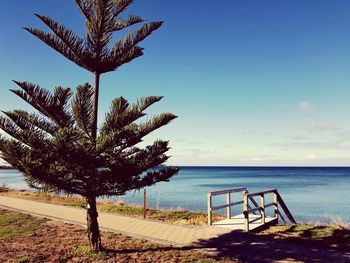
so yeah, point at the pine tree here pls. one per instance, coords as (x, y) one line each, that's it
(59, 147)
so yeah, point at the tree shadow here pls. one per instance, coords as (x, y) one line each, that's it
(321, 236)
(250, 247)
(289, 243)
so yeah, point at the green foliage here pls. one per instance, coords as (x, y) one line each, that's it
(82, 251)
(58, 148)
(55, 151)
(95, 52)
(22, 259)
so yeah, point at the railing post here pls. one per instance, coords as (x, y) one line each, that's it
(275, 205)
(245, 210)
(210, 213)
(228, 208)
(262, 208)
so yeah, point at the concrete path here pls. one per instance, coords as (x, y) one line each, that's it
(176, 235)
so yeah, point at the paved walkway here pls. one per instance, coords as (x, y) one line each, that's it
(162, 232)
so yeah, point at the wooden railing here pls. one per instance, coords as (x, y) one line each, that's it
(228, 204)
(247, 209)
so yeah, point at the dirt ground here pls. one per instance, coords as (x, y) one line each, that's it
(51, 241)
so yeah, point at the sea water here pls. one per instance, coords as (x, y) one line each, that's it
(311, 193)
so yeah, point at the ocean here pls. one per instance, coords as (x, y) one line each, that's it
(311, 193)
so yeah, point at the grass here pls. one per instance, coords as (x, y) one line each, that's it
(177, 216)
(329, 235)
(82, 251)
(38, 240)
(12, 225)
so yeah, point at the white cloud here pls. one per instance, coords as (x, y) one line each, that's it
(331, 144)
(310, 157)
(314, 126)
(261, 158)
(306, 105)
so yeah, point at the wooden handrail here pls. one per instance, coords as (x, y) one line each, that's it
(226, 205)
(262, 192)
(253, 209)
(270, 204)
(228, 191)
(285, 208)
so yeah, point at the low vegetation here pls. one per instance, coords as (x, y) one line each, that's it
(325, 235)
(24, 238)
(13, 225)
(177, 216)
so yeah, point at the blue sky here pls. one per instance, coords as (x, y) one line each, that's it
(253, 82)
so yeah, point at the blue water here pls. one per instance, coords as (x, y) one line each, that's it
(311, 193)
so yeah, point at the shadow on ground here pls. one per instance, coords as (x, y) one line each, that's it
(250, 247)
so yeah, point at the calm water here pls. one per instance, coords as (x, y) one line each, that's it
(310, 193)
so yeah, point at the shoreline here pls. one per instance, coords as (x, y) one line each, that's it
(177, 215)
(307, 191)
(5, 167)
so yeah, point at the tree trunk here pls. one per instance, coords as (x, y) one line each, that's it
(96, 92)
(92, 225)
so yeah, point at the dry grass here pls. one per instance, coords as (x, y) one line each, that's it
(337, 221)
(326, 234)
(38, 240)
(176, 216)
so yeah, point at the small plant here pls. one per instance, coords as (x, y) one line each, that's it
(4, 188)
(22, 259)
(81, 252)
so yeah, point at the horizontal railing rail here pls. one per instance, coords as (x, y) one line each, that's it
(270, 204)
(251, 210)
(228, 191)
(227, 205)
(261, 192)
